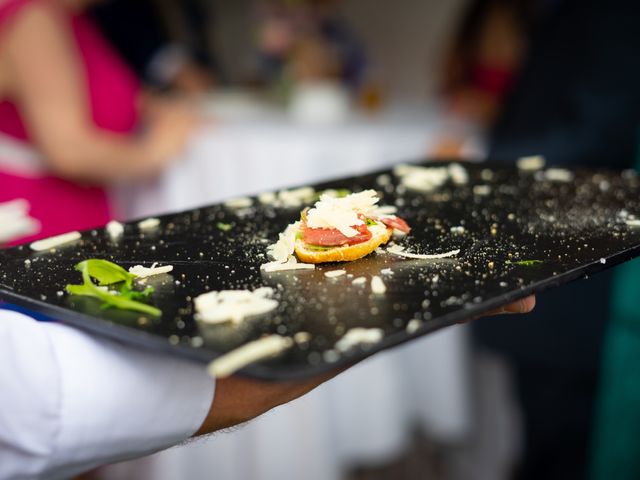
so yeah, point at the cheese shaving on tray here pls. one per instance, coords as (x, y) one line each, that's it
(144, 272)
(400, 251)
(335, 273)
(359, 336)
(263, 348)
(377, 285)
(290, 264)
(56, 241)
(282, 253)
(233, 305)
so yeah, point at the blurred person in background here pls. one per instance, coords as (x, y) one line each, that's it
(482, 64)
(72, 117)
(141, 35)
(576, 101)
(306, 41)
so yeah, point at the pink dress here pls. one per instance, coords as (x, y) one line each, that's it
(112, 90)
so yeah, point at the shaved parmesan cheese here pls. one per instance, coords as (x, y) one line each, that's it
(282, 267)
(334, 273)
(288, 198)
(114, 229)
(632, 222)
(400, 251)
(422, 179)
(458, 174)
(558, 175)
(144, 272)
(267, 198)
(15, 221)
(233, 305)
(359, 281)
(377, 285)
(343, 213)
(532, 162)
(284, 247)
(265, 347)
(481, 190)
(359, 336)
(413, 325)
(386, 271)
(149, 223)
(427, 179)
(240, 202)
(56, 241)
(383, 179)
(296, 197)
(302, 337)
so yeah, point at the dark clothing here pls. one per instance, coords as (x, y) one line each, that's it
(577, 102)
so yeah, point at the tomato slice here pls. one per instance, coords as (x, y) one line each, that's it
(397, 223)
(332, 237)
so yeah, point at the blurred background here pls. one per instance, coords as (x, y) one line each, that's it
(151, 106)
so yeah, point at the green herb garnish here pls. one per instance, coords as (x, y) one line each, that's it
(109, 274)
(526, 263)
(370, 222)
(225, 227)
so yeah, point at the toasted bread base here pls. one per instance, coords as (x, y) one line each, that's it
(345, 253)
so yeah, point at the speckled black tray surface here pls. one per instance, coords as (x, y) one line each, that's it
(568, 228)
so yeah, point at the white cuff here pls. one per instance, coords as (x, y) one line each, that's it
(119, 402)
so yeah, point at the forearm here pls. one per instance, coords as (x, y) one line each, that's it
(100, 156)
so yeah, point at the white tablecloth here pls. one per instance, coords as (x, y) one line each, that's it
(367, 413)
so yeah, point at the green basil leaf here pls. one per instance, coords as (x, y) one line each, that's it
(123, 299)
(105, 272)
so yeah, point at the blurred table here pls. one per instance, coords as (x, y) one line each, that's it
(366, 415)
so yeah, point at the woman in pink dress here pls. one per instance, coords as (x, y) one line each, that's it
(69, 116)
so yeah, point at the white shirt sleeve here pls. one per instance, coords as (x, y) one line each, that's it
(70, 402)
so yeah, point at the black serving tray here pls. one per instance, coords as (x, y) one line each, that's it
(573, 228)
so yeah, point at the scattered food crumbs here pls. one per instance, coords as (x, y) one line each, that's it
(359, 337)
(334, 273)
(359, 281)
(633, 222)
(149, 223)
(386, 271)
(263, 348)
(56, 241)
(459, 230)
(377, 285)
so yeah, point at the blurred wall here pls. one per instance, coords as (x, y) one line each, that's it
(405, 39)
